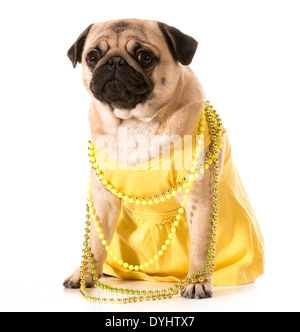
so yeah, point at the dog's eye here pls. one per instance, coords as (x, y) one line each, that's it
(92, 58)
(145, 58)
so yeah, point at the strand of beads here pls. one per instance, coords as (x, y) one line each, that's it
(207, 271)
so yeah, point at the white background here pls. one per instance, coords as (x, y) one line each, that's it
(248, 63)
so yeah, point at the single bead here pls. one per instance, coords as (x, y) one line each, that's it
(193, 169)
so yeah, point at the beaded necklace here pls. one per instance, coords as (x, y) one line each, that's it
(213, 121)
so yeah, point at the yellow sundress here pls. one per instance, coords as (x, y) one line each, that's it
(142, 230)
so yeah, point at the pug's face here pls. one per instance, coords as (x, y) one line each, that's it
(133, 66)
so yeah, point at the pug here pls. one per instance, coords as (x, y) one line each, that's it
(138, 76)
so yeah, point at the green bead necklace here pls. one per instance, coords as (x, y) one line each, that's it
(209, 116)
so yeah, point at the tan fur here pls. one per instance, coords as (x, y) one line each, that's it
(174, 110)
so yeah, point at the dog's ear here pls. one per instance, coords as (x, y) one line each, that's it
(75, 52)
(182, 46)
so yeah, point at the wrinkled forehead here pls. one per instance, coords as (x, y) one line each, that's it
(117, 33)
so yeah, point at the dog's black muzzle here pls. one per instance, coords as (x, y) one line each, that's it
(119, 84)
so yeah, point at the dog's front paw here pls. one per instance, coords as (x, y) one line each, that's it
(73, 281)
(198, 291)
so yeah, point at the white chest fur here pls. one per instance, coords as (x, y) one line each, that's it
(136, 142)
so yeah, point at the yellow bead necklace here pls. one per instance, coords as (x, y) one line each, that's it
(213, 121)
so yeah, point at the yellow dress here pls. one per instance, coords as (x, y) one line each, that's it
(142, 230)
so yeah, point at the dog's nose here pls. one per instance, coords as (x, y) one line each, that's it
(116, 62)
